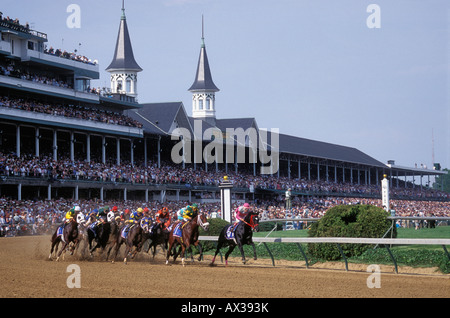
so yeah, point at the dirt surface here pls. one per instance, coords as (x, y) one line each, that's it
(27, 272)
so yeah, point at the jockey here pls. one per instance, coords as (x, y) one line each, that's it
(163, 217)
(241, 212)
(102, 213)
(135, 216)
(125, 215)
(71, 213)
(185, 214)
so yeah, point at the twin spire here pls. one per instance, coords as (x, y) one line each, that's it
(124, 69)
(123, 59)
(203, 79)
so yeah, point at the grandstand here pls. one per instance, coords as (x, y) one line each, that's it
(60, 137)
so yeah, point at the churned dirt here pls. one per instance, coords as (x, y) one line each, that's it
(28, 272)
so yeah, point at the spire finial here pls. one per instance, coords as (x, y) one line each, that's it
(123, 9)
(203, 33)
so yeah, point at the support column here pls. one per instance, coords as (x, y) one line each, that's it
(145, 152)
(88, 147)
(159, 151)
(19, 191)
(289, 168)
(103, 150)
(72, 146)
(36, 142)
(18, 140)
(335, 174)
(55, 145)
(118, 151)
(132, 152)
(49, 192)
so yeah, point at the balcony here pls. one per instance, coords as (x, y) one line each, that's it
(37, 87)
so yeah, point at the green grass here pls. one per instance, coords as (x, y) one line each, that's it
(438, 232)
(410, 255)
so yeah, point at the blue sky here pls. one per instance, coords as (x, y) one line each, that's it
(310, 68)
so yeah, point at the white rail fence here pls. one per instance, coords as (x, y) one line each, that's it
(342, 240)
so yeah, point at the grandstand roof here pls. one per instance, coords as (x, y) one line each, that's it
(161, 118)
(319, 149)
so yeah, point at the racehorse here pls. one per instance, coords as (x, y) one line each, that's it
(113, 235)
(69, 235)
(242, 235)
(189, 236)
(100, 233)
(159, 235)
(137, 235)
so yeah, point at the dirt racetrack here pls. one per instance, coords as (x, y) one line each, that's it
(27, 272)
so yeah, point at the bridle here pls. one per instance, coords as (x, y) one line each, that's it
(200, 222)
(251, 224)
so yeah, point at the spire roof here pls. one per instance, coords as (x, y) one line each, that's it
(123, 56)
(203, 79)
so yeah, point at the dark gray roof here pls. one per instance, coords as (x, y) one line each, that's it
(203, 79)
(162, 117)
(234, 123)
(123, 56)
(319, 149)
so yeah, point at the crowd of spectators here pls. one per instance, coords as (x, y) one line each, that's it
(71, 111)
(41, 216)
(14, 24)
(65, 169)
(70, 55)
(9, 69)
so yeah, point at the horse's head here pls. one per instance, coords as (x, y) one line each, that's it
(202, 221)
(145, 224)
(252, 219)
(110, 216)
(80, 218)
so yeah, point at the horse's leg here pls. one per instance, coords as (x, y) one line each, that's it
(219, 246)
(127, 251)
(254, 250)
(183, 252)
(116, 250)
(176, 253)
(241, 249)
(63, 249)
(169, 251)
(230, 250)
(54, 241)
(200, 250)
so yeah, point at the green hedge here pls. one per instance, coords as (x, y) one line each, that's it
(215, 226)
(348, 221)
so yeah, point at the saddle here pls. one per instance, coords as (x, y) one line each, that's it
(177, 231)
(230, 233)
(60, 232)
(126, 230)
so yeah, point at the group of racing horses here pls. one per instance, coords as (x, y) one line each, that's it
(110, 234)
